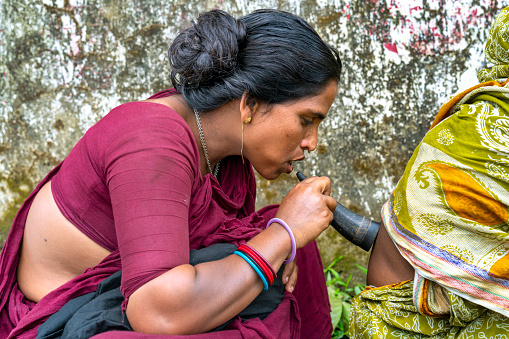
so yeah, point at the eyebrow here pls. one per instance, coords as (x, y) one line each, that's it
(318, 115)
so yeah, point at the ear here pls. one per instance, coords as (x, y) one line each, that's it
(248, 106)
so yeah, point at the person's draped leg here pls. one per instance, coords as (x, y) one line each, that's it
(389, 312)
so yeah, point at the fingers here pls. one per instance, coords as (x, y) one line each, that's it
(287, 271)
(322, 184)
(331, 203)
(290, 276)
(325, 186)
(308, 209)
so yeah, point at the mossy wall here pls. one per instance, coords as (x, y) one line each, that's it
(64, 64)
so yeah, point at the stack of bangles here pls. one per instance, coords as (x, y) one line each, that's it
(259, 263)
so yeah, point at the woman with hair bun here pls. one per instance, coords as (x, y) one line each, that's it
(149, 223)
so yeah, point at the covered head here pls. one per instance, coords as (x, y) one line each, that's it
(497, 49)
(273, 55)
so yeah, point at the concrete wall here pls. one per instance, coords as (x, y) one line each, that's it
(65, 63)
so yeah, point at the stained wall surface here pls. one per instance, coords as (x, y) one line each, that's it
(65, 63)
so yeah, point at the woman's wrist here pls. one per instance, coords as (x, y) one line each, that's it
(274, 244)
(290, 233)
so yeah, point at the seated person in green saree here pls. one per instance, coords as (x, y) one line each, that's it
(440, 265)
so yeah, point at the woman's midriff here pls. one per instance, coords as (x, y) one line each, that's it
(53, 251)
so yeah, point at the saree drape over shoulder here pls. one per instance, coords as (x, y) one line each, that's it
(449, 217)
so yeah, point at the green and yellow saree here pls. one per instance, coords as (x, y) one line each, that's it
(449, 217)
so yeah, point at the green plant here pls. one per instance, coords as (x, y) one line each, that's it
(340, 295)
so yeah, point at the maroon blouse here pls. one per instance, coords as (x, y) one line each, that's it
(133, 183)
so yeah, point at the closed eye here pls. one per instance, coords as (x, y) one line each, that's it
(307, 121)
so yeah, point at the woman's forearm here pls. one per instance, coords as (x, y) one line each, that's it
(189, 299)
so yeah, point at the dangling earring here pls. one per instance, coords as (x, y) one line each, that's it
(247, 121)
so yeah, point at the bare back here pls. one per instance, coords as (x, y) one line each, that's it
(53, 251)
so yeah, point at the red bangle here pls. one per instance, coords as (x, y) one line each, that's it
(259, 262)
(263, 259)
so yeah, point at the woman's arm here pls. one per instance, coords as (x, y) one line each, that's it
(195, 299)
(189, 299)
(386, 265)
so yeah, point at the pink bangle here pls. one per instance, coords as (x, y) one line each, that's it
(290, 233)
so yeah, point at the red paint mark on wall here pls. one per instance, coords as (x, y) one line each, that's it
(391, 47)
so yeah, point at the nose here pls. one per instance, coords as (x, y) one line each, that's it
(311, 140)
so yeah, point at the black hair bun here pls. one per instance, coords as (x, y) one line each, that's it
(272, 55)
(207, 51)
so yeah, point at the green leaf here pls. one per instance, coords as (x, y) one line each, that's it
(363, 269)
(346, 311)
(348, 280)
(335, 273)
(338, 334)
(345, 316)
(336, 304)
(333, 263)
(328, 279)
(340, 295)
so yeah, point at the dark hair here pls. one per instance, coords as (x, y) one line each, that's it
(274, 55)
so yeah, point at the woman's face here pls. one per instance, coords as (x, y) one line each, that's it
(279, 134)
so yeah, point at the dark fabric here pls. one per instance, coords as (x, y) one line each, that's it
(89, 314)
(101, 311)
(264, 304)
(310, 301)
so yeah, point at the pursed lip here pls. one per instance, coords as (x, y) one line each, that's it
(290, 164)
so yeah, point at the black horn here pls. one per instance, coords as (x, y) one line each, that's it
(355, 228)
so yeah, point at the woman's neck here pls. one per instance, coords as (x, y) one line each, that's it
(221, 128)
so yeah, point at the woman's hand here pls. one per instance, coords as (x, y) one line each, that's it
(308, 209)
(290, 276)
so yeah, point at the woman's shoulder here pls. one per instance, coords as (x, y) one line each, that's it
(148, 125)
(150, 111)
(147, 116)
